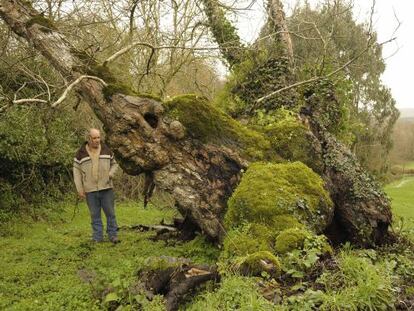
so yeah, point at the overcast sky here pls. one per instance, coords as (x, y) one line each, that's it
(399, 55)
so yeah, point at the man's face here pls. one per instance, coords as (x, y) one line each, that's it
(94, 139)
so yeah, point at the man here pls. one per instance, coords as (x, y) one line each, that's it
(93, 168)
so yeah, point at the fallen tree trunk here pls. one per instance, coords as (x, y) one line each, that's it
(201, 174)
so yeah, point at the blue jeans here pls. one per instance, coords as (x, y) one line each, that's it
(97, 200)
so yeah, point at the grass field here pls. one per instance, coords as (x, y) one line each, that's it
(401, 193)
(409, 165)
(54, 266)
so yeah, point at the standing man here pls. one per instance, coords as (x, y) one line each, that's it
(93, 168)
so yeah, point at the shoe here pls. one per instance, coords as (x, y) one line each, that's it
(96, 241)
(114, 240)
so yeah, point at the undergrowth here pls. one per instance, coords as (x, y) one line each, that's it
(54, 266)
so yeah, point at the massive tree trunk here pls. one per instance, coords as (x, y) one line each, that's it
(362, 212)
(201, 176)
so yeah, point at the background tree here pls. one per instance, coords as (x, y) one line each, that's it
(326, 37)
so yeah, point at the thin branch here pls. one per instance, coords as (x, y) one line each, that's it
(61, 98)
(29, 100)
(148, 45)
(131, 17)
(72, 85)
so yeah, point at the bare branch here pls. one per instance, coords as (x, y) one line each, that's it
(72, 85)
(61, 98)
(29, 100)
(148, 45)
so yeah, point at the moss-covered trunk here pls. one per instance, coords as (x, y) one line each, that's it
(201, 170)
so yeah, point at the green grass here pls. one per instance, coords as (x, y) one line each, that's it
(409, 165)
(54, 266)
(401, 194)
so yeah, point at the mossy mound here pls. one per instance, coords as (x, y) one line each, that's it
(210, 125)
(271, 194)
(262, 261)
(273, 218)
(248, 250)
(290, 239)
(246, 240)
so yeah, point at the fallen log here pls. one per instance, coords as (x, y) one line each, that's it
(176, 280)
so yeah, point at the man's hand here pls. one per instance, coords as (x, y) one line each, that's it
(82, 194)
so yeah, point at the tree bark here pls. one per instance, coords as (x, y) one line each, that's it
(362, 212)
(176, 283)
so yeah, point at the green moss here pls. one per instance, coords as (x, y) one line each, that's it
(267, 191)
(116, 88)
(276, 209)
(150, 96)
(244, 241)
(290, 239)
(409, 291)
(258, 262)
(91, 67)
(160, 263)
(283, 222)
(48, 25)
(210, 125)
(287, 135)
